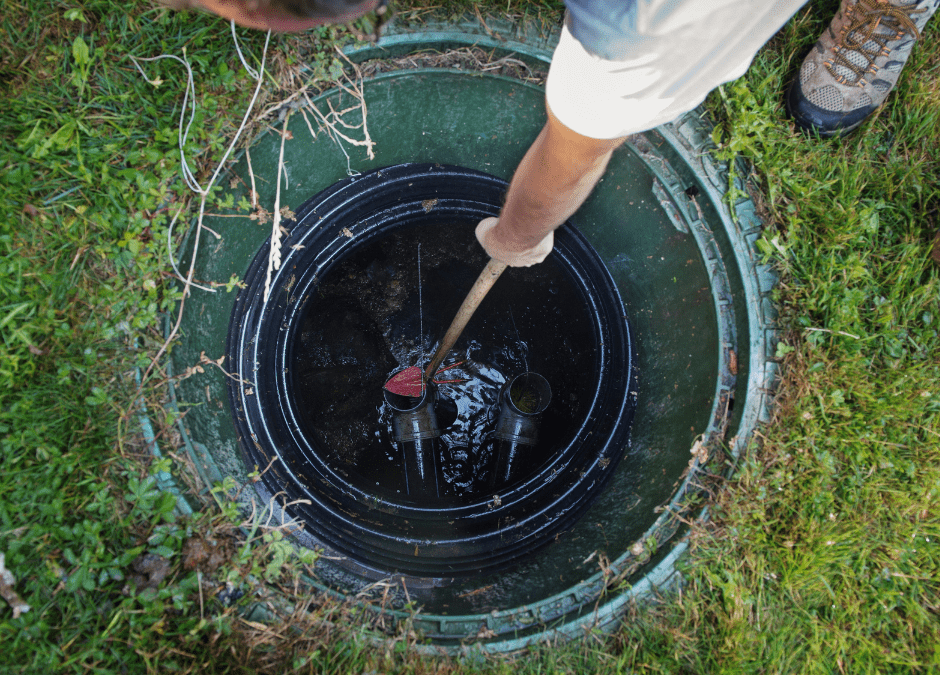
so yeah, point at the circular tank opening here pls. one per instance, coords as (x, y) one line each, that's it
(683, 267)
(459, 481)
(373, 315)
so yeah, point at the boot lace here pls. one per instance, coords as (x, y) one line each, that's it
(860, 37)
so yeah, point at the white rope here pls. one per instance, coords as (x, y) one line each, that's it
(251, 105)
(169, 250)
(188, 97)
(251, 71)
(190, 178)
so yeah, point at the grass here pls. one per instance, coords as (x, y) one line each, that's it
(821, 555)
(91, 176)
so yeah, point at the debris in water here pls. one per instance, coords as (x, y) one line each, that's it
(525, 399)
(377, 312)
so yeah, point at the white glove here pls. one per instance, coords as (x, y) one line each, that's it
(514, 256)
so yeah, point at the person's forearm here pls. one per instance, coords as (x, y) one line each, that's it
(554, 178)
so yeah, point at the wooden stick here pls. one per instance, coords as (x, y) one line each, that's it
(481, 287)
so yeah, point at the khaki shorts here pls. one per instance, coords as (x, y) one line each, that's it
(679, 59)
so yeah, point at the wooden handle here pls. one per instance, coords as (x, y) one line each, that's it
(481, 287)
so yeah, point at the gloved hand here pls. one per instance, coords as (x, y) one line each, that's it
(513, 254)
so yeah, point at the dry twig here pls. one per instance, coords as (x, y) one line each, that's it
(274, 252)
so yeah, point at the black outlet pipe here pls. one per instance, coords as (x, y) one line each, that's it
(416, 432)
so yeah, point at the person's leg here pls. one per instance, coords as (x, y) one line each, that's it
(671, 58)
(856, 63)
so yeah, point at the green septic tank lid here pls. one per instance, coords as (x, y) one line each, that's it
(687, 271)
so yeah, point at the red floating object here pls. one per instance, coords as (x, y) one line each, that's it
(410, 381)
(407, 382)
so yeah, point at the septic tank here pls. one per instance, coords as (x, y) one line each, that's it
(651, 322)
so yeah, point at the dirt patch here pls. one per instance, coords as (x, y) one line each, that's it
(147, 572)
(204, 553)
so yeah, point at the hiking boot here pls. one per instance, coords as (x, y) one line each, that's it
(855, 63)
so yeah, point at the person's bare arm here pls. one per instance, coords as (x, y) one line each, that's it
(276, 16)
(553, 179)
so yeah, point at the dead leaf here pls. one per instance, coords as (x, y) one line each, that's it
(205, 359)
(8, 593)
(485, 632)
(148, 571)
(477, 591)
(260, 215)
(407, 382)
(189, 372)
(78, 255)
(202, 553)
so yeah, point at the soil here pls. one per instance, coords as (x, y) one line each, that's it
(204, 553)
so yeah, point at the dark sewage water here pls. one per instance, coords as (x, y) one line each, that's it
(386, 305)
